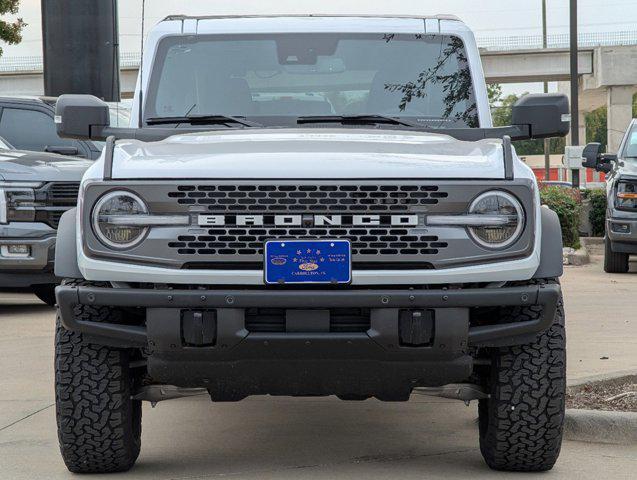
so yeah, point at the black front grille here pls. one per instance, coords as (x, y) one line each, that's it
(63, 193)
(308, 198)
(342, 320)
(57, 198)
(372, 245)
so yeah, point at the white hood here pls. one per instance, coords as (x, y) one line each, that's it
(308, 153)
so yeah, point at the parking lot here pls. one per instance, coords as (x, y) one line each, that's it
(265, 437)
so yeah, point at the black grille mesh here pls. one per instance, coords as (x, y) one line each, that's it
(373, 243)
(308, 198)
(365, 240)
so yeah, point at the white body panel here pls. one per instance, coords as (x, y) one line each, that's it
(308, 153)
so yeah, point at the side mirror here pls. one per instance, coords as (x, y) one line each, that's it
(590, 155)
(62, 150)
(77, 116)
(546, 114)
(591, 158)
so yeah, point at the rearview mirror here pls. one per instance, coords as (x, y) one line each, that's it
(546, 114)
(77, 115)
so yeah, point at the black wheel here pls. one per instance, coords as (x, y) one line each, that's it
(45, 292)
(614, 262)
(99, 425)
(521, 423)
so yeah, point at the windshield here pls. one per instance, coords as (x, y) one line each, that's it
(277, 78)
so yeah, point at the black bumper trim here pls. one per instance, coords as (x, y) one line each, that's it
(546, 296)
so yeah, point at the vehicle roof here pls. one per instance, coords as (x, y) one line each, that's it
(29, 98)
(311, 15)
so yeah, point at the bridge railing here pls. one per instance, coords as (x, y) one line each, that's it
(559, 40)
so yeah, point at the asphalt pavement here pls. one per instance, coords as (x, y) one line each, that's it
(287, 438)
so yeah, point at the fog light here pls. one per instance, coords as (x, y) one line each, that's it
(620, 227)
(15, 251)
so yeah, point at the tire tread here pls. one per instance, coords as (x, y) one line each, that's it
(99, 426)
(521, 423)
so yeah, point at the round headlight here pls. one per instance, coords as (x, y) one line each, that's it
(111, 214)
(504, 219)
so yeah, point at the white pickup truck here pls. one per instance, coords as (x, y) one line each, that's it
(310, 205)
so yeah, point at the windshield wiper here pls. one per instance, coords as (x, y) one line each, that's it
(357, 120)
(202, 120)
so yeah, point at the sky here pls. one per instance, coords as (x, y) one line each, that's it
(486, 17)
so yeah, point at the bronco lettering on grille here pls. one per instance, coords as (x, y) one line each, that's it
(308, 220)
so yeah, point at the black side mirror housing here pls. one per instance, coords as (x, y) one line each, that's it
(592, 158)
(62, 150)
(77, 115)
(591, 154)
(546, 114)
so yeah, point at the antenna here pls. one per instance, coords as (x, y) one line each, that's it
(141, 68)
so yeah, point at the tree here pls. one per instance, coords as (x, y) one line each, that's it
(494, 91)
(596, 126)
(10, 32)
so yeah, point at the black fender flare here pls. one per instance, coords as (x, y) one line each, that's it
(66, 247)
(551, 263)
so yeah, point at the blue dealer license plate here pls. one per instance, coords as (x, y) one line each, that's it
(308, 261)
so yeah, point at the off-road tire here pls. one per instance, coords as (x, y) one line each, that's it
(99, 425)
(521, 423)
(45, 292)
(614, 262)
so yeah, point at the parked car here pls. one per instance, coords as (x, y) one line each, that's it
(394, 241)
(28, 124)
(620, 240)
(36, 188)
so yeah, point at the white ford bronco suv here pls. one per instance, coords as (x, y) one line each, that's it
(310, 205)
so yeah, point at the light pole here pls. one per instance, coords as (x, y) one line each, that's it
(574, 86)
(547, 141)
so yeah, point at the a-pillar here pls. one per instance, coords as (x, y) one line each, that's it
(620, 113)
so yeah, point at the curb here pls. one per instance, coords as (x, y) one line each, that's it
(594, 245)
(600, 377)
(576, 257)
(600, 426)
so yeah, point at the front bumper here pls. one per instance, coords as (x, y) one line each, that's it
(622, 241)
(37, 268)
(372, 362)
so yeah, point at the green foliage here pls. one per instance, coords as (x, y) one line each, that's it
(596, 127)
(494, 92)
(502, 117)
(566, 202)
(10, 32)
(597, 215)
